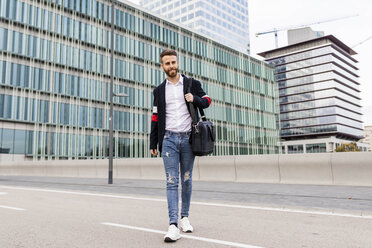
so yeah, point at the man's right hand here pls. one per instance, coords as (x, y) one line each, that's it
(154, 152)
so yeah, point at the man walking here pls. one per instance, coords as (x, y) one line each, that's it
(170, 131)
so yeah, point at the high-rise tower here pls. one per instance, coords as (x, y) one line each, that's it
(318, 94)
(224, 21)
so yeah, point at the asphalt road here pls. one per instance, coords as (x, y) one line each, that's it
(72, 212)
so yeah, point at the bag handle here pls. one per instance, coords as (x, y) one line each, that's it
(192, 108)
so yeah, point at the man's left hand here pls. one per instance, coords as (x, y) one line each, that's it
(189, 97)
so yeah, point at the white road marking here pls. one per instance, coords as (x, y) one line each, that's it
(86, 194)
(279, 209)
(215, 241)
(12, 208)
(330, 213)
(3, 193)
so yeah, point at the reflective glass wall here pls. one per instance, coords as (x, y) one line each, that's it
(55, 80)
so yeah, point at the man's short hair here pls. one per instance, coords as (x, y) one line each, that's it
(167, 52)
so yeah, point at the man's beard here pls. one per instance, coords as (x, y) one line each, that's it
(172, 73)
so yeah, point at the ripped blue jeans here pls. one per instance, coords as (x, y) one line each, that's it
(177, 155)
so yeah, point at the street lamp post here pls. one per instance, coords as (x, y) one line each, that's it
(112, 94)
(111, 137)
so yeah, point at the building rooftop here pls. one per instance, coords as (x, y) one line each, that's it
(329, 37)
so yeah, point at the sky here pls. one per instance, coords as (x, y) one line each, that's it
(266, 15)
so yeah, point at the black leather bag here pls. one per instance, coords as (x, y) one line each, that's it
(202, 134)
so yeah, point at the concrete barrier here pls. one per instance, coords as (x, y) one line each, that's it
(306, 168)
(152, 168)
(257, 168)
(218, 168)
(26, 169)
(124, 168)
(354, 168)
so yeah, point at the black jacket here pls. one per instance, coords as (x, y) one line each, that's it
(201, 100)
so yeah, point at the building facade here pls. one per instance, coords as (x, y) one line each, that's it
(55, 82)
(225, 21)
(318, 94)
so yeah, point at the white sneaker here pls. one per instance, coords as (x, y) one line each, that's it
(185, 225)
(173, 234)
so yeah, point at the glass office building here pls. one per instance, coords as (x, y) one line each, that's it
(225, 21)
(318, 94)
(55, 82)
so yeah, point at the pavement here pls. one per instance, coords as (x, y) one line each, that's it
(82, 212)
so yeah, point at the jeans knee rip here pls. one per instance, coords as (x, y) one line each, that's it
(170, 179)
(186, 176)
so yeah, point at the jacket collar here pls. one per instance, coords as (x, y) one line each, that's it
(186, 82)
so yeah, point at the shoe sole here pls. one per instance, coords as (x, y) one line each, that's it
(186, 231)
(169, 240)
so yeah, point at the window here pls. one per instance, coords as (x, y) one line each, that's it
(295, 149)
(19, 142)
(7, 141)
(316, 148)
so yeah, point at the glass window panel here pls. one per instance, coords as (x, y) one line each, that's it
(316, 69)
(295, 149)
(88, 145)
(30, 142)
(20, 142)
(322, 129)
(7, 141)
(319, 112)
(316, 148)
(318, 86)
(321, 121)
